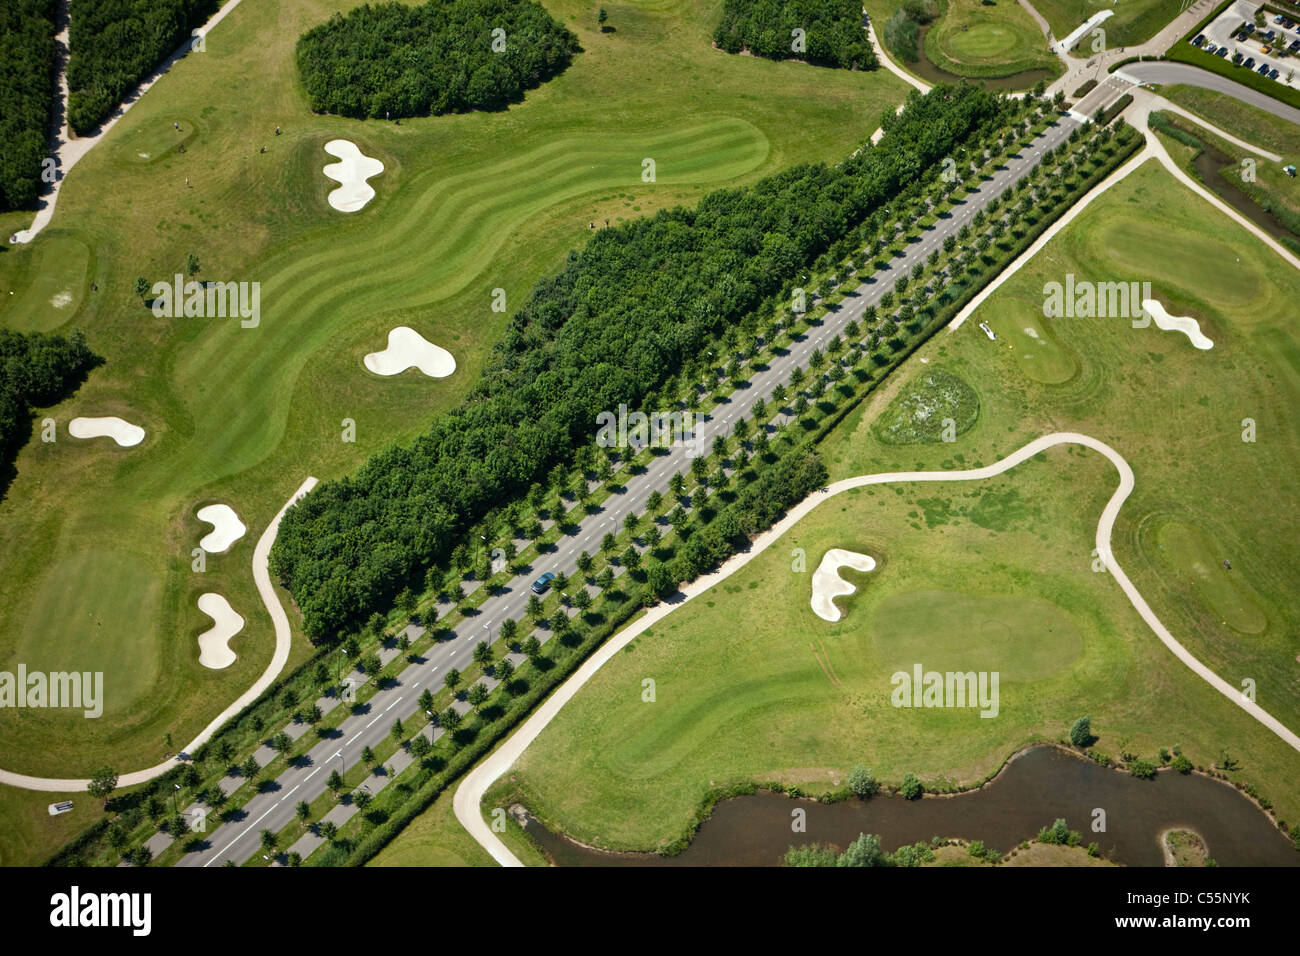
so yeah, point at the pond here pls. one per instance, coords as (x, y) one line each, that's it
(1033, 790)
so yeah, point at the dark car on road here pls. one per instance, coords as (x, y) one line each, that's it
(544, 582)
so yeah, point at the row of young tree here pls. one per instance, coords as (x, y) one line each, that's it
(27, 92)
(443, 57)
(114, 44)
(832, 32)
(35, 370)
(638, 303)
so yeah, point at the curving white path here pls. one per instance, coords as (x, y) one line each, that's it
(827, 584)
(118, 429)
(226, 528)
(469, 795)
(351, 172)
(214, 643)
(283, 642)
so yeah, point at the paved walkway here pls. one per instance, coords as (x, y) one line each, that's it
(69, 149)
(283, 643)
(1168, 73)
(469, 795)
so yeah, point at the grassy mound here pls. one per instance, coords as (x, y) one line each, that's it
(919, 414)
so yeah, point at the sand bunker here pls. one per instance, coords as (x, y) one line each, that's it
(1176, 323)
(122, 432)
(214, 650)
(60, 299)
(407, 348)
(827, 584)
(351, 173)
(226, 528)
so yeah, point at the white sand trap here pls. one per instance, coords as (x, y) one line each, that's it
(122, 432)
(60, 299)
(351, 173)
(226, 528)
(214, 649)
(1031, 332)
(1176, 323)
(407, 348)
(827, 584)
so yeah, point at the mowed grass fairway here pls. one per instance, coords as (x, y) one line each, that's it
(466, 204)
(1135, 21)
(972, 39)
(751, 686)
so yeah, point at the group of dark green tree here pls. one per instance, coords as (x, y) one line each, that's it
(35, 370)
(400, 60)
(638, 303)
(26, 98)
(901, 33)
(114, 44)
(832, 31)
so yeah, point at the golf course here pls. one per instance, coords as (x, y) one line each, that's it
(752, 687)
(97, 540)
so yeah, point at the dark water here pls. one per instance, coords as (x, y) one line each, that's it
(1032, 791)
(928, 71)
(1211, 164)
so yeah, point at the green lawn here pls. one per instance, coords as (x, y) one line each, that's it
(997, 575)
(466, 204)
(972, 39)
(1135, 21)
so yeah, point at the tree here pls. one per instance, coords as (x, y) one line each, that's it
(398, 732)
(477, 695)
(192, 264)
(630, 521)
(631, 558)
(282, 743)
(1182, 764)
(482, 653)
(450, 720)
(303, 811)
(503, 670)
(864, 851)
(420, 746)
(534, 606)
(1081, 732)
(861, 781)
(269, 841)
(426, 699)
(584, 562)
(810, 854)
(452, 679)
(653, 502)
(509, 628)
(142, 287)
(608, 543)
(102, 782)
(335, 782)
(582, 600)
(532, 647)
(328, 829)
(249, 768)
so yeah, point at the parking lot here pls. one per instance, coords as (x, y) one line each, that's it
(1272, 51)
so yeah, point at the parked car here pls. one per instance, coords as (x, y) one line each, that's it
(1249, 63)
(1272, 74)
(1199, 40)
(1263, 69)
(544, 582)
(1222, 51)
(1294, 45)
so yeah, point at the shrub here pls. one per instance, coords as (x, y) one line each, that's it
(911, 787)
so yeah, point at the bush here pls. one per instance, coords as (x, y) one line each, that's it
(438, 58)
(810, 854)
(911, 788)
(1081, 732)
(1142, 768)
(901, 34)
(1182, 764)
(861, 781)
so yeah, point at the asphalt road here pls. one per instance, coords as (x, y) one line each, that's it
(1168, 73)
(274, 809)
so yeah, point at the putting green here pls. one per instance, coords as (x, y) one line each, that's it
(1038, 352)
(1190, 554)
(81, 607)
(58, 283)
(154, 139)
(997, 39)
(1022, 638)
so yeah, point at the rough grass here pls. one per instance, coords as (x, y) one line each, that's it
(466, 204)
(750, 685)
(919, 414)
(1135, 21)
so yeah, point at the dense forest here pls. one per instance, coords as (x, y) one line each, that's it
(27, 95)
(636, 304)
(35, 370)
(833, 34)
(117, 43)
(447, 56)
